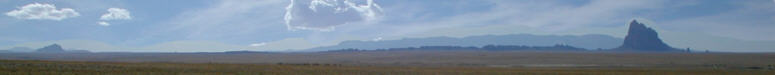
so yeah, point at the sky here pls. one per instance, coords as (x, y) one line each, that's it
(289, 25)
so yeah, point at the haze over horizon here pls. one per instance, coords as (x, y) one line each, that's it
(280, 25)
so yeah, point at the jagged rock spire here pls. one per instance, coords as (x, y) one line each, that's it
(642, 38)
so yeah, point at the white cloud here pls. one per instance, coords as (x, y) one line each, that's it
(103, 23)
(323, 15)
(116, 14)
(377, 39)
(38, 11)
(258, 44)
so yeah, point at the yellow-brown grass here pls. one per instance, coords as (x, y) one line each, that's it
(32, 67)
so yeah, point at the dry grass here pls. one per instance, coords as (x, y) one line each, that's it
(389, 62)
(31, 67)
(421, 58)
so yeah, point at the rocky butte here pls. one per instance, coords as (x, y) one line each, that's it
(642, 38)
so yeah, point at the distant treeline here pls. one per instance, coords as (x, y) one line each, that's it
(558, 47)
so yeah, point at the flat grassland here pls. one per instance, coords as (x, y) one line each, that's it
(29, 67)
(391, 62)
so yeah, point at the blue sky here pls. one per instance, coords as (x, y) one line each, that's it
(280, 25)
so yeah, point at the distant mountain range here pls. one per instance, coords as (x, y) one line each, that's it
(54, 48)
(591, 41)
(558, 47)
(19, 49)
(639, 38)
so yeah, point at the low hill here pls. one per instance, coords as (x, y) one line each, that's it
(56, 48)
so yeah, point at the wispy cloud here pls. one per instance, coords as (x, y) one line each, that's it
(748, 22)
(225, 18)
(543, 16)
(42, 11)
(234, 22)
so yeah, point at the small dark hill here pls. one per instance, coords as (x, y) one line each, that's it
(642, 38)
(51, 48)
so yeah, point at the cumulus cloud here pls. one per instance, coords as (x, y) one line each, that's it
(323, 15)
(114, 14)
(38, 11)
